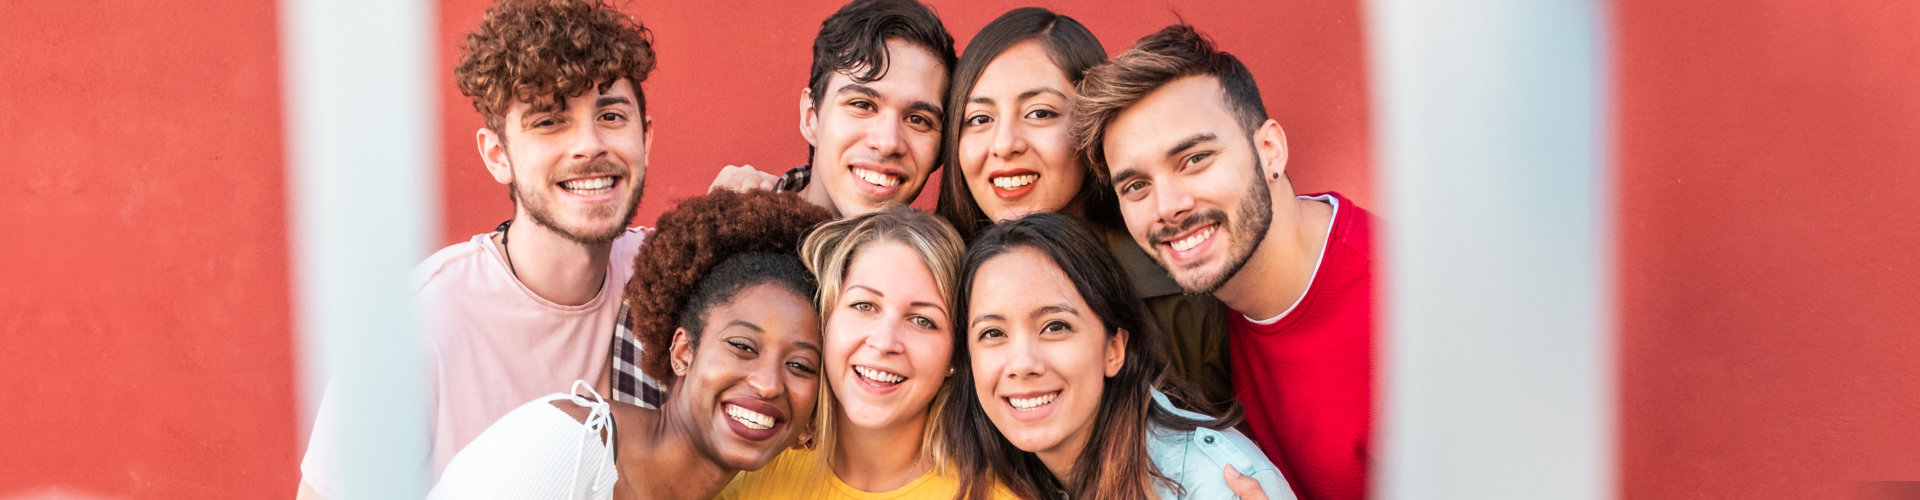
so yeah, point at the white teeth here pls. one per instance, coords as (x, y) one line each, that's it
(878, 376)
(1031, 403)
(593, 184)
(1192, 241)
(752, 419)
(875, 178)
(1015, 182)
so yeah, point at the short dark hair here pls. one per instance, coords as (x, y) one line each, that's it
(706, 250)
(527, 50)
(1073, 49)
(1172, 53)
(854, 40)
(1114, 463)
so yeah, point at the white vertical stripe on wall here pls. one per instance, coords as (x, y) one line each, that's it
(1497, 349)
(362, 137)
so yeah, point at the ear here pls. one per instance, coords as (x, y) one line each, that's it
(682, 352)
(1116, 352)
(1270, 142)
(493, 152)
(646, 140)
(809, 117)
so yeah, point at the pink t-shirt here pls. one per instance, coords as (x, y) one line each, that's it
(494, 345)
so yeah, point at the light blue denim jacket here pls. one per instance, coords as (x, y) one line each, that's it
(1197, 459)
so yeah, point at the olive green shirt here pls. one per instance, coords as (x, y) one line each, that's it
(1195, 325)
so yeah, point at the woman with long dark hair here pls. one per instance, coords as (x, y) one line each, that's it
(1009, 152)
(1061, 385)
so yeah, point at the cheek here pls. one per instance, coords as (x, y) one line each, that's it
(933, 352)
(973, 157)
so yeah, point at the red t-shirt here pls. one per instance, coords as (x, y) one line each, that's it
(1306, 379)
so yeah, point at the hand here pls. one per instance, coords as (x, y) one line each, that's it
(742, 178)
(1247, 488)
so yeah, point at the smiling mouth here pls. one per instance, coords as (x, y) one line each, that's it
(878, 376)
(1033, 402)
(589, 186)
(875, 178)
(1013, 182)
(752, 419)
(1187, 243)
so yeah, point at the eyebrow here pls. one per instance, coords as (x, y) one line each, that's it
(927, 107)
(1022, 97)
(610, 100)
(749, 326)
(1043, 311)
(943, 309)
(855, 88)
(1189, 142)
(809, 345)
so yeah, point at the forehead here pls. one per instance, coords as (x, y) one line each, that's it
(895, 270)
(777, 310)
(913, 73)
(1174, 112)
(1022, 278)
(620, 88)
(1022, 67)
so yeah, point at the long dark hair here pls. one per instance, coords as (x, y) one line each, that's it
(1073, 49)
(1114, 463)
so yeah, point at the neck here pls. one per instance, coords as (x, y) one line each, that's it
(876, 460)
(1060, 461)
(1282, 265)
(816, 194)
(657, 458)
(552, 266)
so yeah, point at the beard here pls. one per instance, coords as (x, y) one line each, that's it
(1244, 234)
(540, 209)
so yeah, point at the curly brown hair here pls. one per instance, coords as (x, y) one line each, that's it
(531, 50)
(674, 273)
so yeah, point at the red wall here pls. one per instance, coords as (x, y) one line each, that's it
(147, 347)
(1767, 231)
(727, 89)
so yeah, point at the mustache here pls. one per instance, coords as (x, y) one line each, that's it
(1214, 216)
(598, 167)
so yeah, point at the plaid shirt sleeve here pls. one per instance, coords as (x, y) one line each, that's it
(794, 180)
(630, 385)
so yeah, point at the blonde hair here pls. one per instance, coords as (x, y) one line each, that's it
(829, 250)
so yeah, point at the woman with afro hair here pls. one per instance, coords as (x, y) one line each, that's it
(723, 308)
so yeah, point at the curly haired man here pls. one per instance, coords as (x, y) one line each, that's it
(531, 306)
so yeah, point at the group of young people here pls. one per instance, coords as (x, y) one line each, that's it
(1117, 282)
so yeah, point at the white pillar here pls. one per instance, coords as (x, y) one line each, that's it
(362, 133)
(1497, 350)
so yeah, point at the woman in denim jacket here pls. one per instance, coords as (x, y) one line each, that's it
(1062, 382)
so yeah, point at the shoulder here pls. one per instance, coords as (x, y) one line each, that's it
(1198, 458)
(437, 270)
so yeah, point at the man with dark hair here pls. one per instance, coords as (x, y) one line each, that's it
(1178, 130)
(528, 308)
(872, 109)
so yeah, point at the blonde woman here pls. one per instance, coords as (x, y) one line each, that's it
(886, 301)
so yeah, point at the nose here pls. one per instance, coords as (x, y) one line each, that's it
(1009, 139)
(764, 379)
(1023, 359)
(886, 340)
(587, 142)
(1172, 202)
(883, 136)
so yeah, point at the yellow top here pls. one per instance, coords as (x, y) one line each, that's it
(798, 474)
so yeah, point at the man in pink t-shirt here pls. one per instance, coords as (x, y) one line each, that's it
(528, 308)
(1178, 129)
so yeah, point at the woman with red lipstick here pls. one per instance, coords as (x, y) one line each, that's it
(1061, 387)
(723, 311)
(1010, 152)
(886, 289)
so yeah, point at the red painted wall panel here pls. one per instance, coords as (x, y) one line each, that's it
(145, 333)
(1766, 217)
(727, 89)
